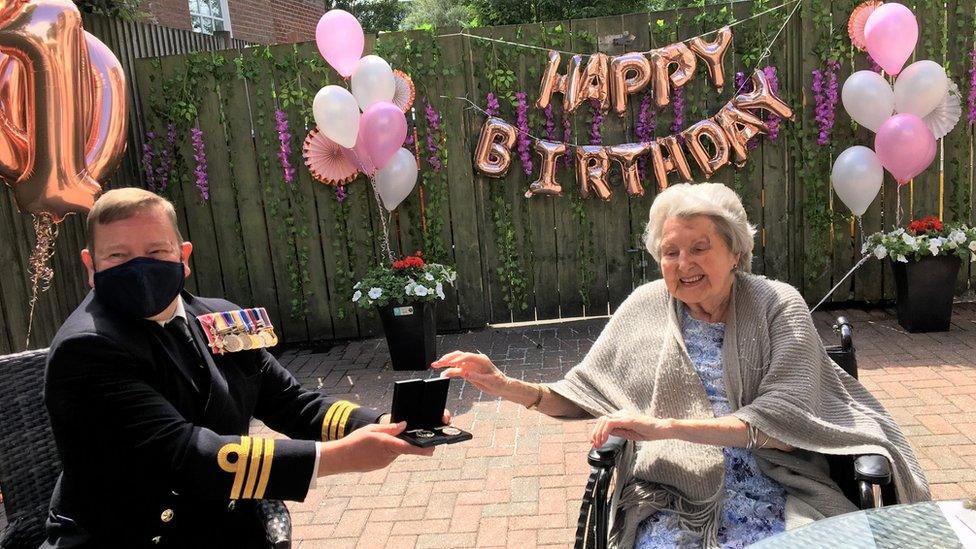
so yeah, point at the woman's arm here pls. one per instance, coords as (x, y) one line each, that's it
(727, 431)
(481, 372)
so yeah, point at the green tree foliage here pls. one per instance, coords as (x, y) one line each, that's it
(119, 9)
(438, 14)
(508, 12)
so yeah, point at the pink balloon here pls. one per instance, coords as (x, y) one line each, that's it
(905, 146)
(359, 157)
(891, 33)
(340, 39)
(382, 130)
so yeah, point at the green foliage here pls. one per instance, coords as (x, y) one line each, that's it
(127, 10)
(509, 12)
(429, 14)
(900, 245)
(379, 15)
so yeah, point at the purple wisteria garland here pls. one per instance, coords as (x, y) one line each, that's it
(550, 123)
(596, 137)
(825, 94)
(200, 157)
(158, 170)
(340, 191)
(284, 145)
(645, 128)
(971, 98)
(678, 106)
(524, 144)
(433, 136)
(744, 85)
(567, 136)
(772, 120)
(492, 108)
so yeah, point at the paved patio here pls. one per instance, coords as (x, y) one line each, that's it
(519, 482)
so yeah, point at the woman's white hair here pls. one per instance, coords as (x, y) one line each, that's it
(714, 200)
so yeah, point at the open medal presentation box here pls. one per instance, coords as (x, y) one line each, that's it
(421, 403)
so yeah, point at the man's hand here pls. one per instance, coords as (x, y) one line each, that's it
(367, 449)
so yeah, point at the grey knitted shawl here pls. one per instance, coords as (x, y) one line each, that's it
(778, 378)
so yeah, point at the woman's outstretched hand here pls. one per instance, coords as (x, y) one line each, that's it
(475, 368)
(630, 426)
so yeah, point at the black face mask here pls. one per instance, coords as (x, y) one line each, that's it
(142, 287)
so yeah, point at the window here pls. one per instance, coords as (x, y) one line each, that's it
(209, 16)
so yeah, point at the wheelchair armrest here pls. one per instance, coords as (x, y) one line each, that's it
(606, 456)
(873, 469)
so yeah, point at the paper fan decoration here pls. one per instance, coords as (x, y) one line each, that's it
(404, 94)
(945, 116)
(325, 160)
(859, 18)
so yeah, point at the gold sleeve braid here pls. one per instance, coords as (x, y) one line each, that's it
(335, 420)
(252, 459)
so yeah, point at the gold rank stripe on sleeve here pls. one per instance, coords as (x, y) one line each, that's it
(251, 465)
(336, 417)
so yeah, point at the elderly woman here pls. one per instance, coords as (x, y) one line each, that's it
(722, 378)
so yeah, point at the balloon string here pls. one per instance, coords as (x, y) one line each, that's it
(39, 262)
(854, 268)
(898, 207)
(385, 243)
(860, 229)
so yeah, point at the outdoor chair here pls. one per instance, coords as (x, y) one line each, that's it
(29, 462)
(865, 480)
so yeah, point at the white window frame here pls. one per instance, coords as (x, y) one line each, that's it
(224, 11)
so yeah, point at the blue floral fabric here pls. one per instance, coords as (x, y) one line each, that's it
(754, 503)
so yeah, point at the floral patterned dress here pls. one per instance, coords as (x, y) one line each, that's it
(754, 503)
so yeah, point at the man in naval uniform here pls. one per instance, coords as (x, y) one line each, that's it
(152, 426)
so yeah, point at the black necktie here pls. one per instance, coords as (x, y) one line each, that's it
(178, 328)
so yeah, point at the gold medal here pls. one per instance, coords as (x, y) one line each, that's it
(267, 340)
(256, 342)
(245, 341)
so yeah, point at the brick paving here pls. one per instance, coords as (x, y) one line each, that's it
(519, 482)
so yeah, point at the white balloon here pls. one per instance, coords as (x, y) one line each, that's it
(373, 81)
(857, 176)
(337, 115)
(920, 88)
(395, 181)
(868, 98)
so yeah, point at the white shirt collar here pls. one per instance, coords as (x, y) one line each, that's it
(180, 312)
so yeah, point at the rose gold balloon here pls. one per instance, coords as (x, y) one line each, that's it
(552, 81)
(675, 162)
(493, 155)
(661, 60)
(14, 147)
(592, 168)
(591, 83)
(629, 74)
(546, 184)
(626, 155)
(110, 122)
(740, 126)
(762, 97)
(713, 53)
(47, 38)
(710, 129)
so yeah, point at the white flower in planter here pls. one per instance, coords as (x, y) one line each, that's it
(972, 246)
(440, 290)
(934, 245)
(356, 296)
(910, 240)
(375, 293)
(957, 236)
(421, 291)
(880, 252)
(902, 258)
(429, 277)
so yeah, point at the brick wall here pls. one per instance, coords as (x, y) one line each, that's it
(261, 21)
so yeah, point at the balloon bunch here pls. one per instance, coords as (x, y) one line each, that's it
(908, 118)
(367, 124)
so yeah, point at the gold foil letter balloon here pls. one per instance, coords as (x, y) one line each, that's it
(661, 60)
(591, 83)
(493, 155)
(629, 74)
(720, 142)
(14, 148)
(626, 155)
(549, 152)
(675, 161)
(713, 53)
(108, 124)
(592, 168)
(762, 97)
(740, 126)
(552, 81)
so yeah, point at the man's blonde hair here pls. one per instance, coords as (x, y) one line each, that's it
(119, 204)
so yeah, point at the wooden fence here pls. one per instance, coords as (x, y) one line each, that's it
(296, 249)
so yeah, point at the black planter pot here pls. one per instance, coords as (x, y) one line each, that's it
(411, 334)
(925, 287)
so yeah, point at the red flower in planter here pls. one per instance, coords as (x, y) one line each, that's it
(409, 262)
(925, 225)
